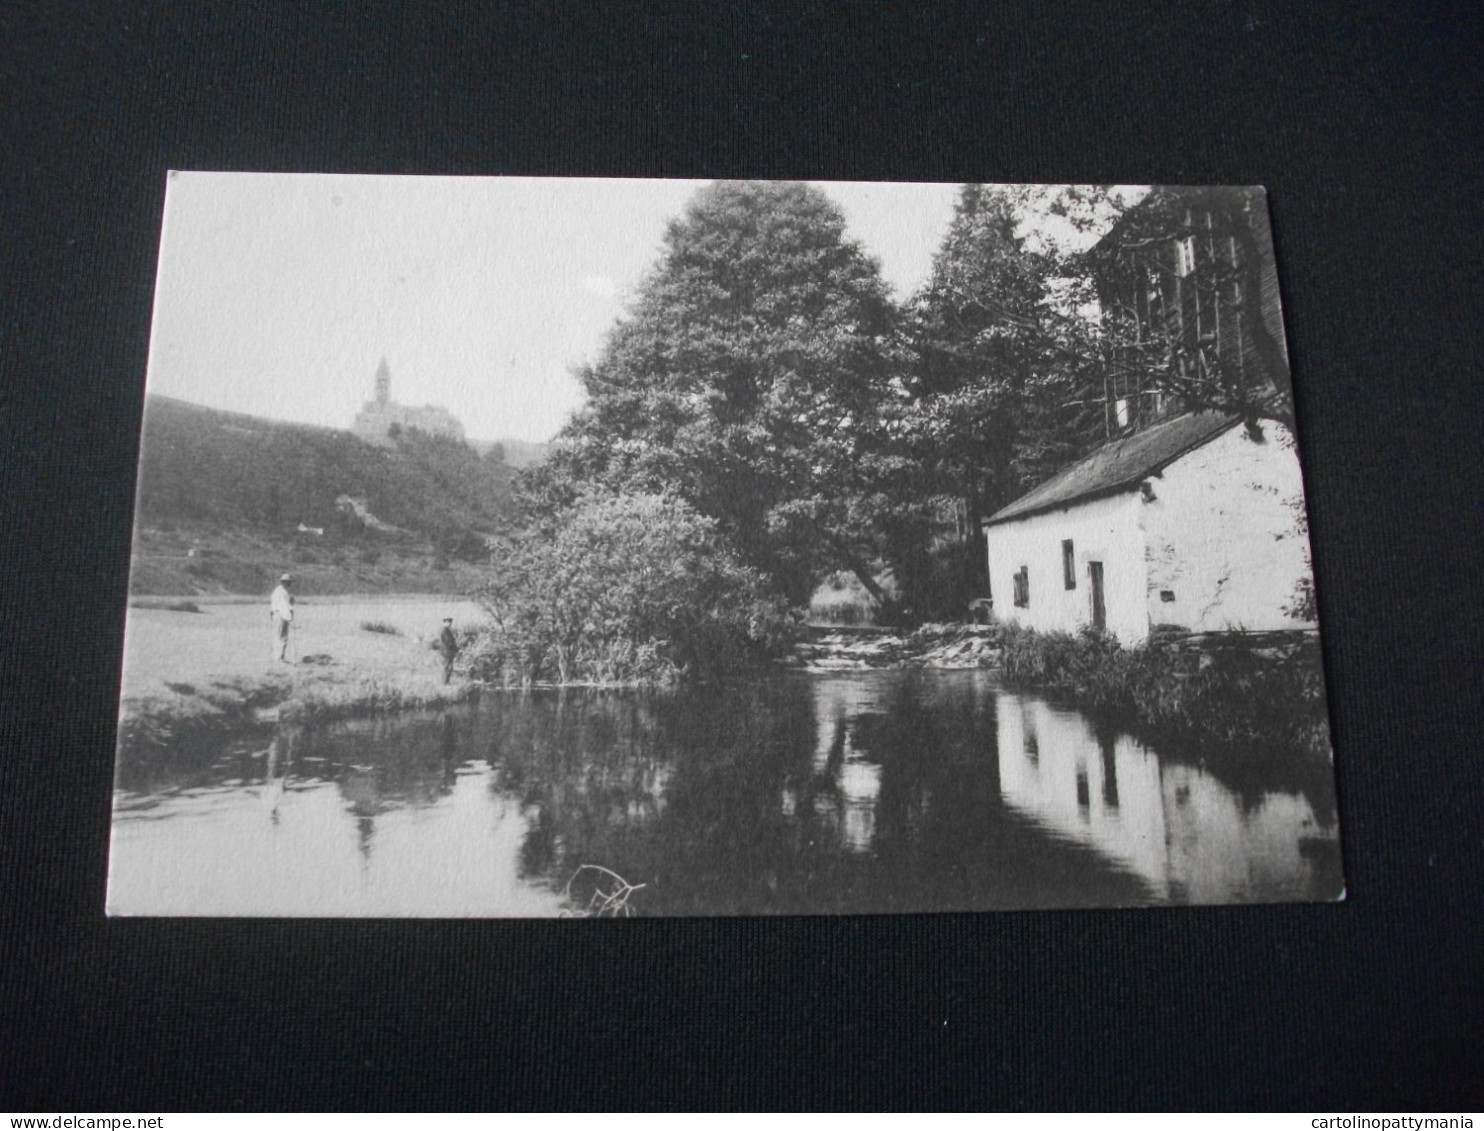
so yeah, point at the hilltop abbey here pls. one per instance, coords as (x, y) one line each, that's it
(380, 419)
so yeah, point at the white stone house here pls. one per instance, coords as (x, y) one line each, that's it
(1191, 524)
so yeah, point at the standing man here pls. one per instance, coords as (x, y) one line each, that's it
(448, 645)
(281, 610)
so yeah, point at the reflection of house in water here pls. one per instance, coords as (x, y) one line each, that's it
(1178, 828)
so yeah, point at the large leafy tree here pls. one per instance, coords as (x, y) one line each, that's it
(753, 378)
(1001, 364)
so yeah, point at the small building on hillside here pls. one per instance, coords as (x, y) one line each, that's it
(381, 418)
(1192, 524)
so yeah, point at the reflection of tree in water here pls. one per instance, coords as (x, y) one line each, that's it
(586, 767)
(1256, 776)
(202, 758)
(662, 789)
(783, 796)
(727, 842)
(385, 764)
(871, 792)
(907, 739)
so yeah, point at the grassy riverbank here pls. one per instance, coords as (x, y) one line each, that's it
(1236, 693)
(1231, 695)
(189, 671)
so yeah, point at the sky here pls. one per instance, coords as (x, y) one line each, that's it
(278, 294)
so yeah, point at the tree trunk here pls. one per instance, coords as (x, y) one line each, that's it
(974, 565)
(851, 561)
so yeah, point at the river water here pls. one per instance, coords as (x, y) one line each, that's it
(873, 792)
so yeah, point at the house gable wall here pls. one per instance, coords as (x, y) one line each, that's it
(1104, 530)
(1222, 536)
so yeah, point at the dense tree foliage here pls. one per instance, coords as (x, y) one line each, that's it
(625, 588)
(1002, 360)
(753, 378)
(764, 376)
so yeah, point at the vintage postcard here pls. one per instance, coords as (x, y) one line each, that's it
(576, 548)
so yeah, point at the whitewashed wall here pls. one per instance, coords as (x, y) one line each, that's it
(1105, 530)
(1222, 537)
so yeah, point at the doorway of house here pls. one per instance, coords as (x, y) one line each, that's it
(1095, 583)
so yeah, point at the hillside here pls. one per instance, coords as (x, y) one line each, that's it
(226, 501)
(516, 453)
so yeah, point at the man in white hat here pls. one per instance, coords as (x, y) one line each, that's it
(281, 610)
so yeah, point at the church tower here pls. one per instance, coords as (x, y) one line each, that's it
(382, 418)
(383, 383)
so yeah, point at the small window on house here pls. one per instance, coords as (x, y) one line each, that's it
(1068, 565)
(1022, 588)
(1166, 595)
(1185, 256)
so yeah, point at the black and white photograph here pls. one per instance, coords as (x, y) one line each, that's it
(587, 548)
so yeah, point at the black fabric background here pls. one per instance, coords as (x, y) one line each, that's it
(1362, 120)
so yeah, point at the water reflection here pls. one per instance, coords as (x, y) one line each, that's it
(886, 791)
(1178, 827)
(376, 817)
(844, 783)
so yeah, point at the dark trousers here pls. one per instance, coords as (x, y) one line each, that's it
(447, 668)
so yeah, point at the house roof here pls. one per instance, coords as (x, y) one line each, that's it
(1120, 465)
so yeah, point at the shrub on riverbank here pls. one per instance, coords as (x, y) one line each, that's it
(1230, 696)
(624, 589)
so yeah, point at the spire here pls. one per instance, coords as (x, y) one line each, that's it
(383, 382)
